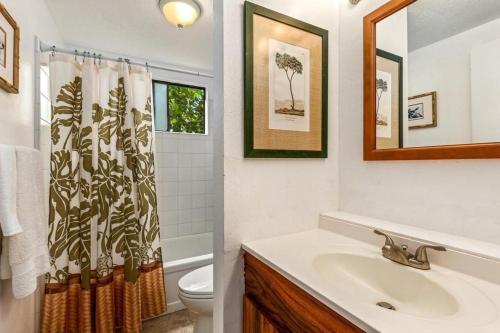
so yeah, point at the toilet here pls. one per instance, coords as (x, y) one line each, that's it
(196, 293)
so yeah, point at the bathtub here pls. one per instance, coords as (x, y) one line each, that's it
(181, 255)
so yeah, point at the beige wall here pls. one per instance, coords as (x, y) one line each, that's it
(17, 127)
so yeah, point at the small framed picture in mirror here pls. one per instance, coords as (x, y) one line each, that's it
(422, 111)
(9, 52)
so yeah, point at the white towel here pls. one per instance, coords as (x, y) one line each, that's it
(8, 213)
(27, 252)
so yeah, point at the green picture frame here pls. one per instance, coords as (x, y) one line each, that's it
(250, 151)
(399, 61)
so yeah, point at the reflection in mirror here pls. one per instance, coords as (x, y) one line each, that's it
(438, 74)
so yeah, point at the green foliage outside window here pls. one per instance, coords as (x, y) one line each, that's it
(186, 109)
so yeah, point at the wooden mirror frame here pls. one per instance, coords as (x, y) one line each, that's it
(370, 151)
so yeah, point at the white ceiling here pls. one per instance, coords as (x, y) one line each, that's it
(430, 21)
(135, 28)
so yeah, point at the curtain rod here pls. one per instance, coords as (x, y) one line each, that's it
(48, 48)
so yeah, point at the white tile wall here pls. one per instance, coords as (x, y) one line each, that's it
(185, 183)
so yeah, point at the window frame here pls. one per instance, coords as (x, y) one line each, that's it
(186, 85)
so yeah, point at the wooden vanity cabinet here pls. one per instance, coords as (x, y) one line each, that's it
(255, 321)
(273, 304)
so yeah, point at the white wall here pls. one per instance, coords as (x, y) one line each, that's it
(446, 67)
(443, 67)
(17, 127)
(218, 130)
(485, 89)
(268, 197)
(392, 34)
(457, 197)
(17, 110)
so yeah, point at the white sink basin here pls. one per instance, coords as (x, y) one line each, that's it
(351, 277)
(375, 279)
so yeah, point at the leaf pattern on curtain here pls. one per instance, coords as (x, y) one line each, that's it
(103, 204)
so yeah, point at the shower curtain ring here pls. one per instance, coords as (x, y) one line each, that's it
(76, 54)
(53, 50)
(147, 67)
(100, 56)
(94, 58)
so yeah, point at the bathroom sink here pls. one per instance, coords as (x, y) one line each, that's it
(354, 279)
(373, 279)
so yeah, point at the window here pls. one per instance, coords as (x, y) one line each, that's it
(179, 108)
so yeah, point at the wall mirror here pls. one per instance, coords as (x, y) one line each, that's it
(432, 80)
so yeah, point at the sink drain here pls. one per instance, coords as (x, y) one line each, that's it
(386, 305)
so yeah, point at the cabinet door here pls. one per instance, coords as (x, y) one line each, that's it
(255, 321)
(288, 307)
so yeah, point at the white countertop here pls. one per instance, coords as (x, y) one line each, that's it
(293, 256)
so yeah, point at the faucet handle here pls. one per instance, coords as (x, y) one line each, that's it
(388, 239)
(421, 252)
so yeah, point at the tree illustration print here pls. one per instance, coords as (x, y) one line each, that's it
(381, 89)
(291, 66)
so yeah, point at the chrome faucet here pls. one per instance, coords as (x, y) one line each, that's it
(401, 255)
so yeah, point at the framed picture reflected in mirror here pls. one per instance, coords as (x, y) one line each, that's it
(389, 103)
(422, 111)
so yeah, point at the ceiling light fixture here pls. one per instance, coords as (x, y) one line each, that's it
(181, 13)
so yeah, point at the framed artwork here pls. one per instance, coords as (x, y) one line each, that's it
(389, 103)
(9, 52)
(286, 86)
(422, 111)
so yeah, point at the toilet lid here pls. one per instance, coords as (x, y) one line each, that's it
(198, 282)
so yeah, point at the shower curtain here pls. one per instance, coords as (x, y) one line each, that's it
(106, 265)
